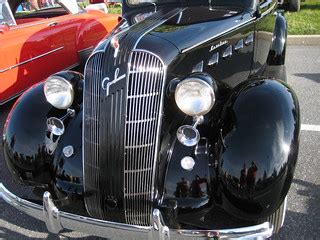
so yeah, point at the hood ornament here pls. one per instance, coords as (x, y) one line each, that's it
(115, 44)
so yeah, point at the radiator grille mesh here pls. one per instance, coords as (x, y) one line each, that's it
(121, 134)
(145, 85)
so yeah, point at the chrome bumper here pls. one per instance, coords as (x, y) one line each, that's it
(57, 220)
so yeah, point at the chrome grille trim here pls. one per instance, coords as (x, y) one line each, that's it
(93, 70)
(145, 84)
(131, 117)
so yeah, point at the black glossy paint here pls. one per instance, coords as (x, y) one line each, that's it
(277, 53)
(264, 31)
(252, 167)
(189, 28)
(189, 189)
(68, 171)
(29, 148)
(258, 147)
(26, 141)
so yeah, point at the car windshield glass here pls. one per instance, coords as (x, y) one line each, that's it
(6, 16)
(28, 7)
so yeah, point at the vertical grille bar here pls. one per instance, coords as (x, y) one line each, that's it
(120, 138)
(91, 138)
(146, 81)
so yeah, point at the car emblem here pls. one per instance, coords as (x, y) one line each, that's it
(214, 47)
(106, 83)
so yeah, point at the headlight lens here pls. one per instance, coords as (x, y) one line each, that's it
(194, 96)
(59, 92)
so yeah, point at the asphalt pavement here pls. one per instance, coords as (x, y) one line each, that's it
(303, 209)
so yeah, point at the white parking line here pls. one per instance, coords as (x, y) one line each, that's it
(309, 127)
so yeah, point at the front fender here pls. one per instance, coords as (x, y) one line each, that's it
(277, 51)
(32, 153)
(25, 142)
(258, 148)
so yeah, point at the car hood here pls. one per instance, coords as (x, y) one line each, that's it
(196, 25)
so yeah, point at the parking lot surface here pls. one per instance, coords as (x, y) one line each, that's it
(303, 209)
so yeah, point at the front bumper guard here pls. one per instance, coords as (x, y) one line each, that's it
(57, 220)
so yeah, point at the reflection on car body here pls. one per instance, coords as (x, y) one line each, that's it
(183, 127)
(39, 40)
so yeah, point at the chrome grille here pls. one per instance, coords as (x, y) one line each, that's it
(91, 125)
(120, 137)
(144, 100)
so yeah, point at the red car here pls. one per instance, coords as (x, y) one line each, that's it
(39, 38)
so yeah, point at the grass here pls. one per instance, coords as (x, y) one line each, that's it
(111, 9)
(115, 9)
(307, 21)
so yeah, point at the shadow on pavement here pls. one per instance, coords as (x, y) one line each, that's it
(299, 225)
(311, 76)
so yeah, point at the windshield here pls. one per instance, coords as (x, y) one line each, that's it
(26, 7)
(6, 16)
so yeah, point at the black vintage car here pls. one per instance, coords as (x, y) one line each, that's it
(183, 126)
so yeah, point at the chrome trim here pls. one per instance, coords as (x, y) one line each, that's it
(52, 24)
(227, 52)
(239, 45)
(145, 88)
(284, 210)
(57, 220)
(188, 141)
(249, 39)
(158, 24)
(39, 22)
(198, 67)
(214, 59)
(93, 129)
(21, 92)
(31, 59)
(220, 34)
(267, 8)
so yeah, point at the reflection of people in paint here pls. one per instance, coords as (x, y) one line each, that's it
(182, 188)
(195, 187)
(243, 176)
(251, 178)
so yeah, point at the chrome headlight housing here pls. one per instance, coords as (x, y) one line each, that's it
(194, 96)
(59, 92)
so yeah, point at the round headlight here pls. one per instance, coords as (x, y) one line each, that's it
(194, 96)
(59, 92)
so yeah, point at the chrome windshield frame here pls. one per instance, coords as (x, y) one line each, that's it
(4, 6)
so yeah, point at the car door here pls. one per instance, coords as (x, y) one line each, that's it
(33, 50)
(264, 32)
